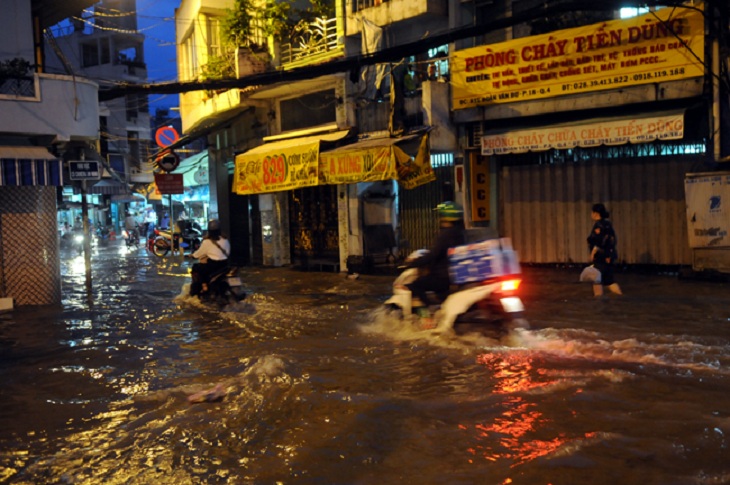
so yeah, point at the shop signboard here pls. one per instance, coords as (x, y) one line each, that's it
(661, 46)
(84, 170)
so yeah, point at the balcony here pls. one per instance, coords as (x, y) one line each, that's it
(61, 106)
(316, 42)
(426, 106)
(415, 16)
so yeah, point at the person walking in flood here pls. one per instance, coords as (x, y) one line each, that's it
(602, 243)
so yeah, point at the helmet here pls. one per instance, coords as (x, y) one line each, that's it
(214, 225)
(450, 211)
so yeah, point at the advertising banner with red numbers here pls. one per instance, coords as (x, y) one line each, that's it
(665, 45)
(283, 168)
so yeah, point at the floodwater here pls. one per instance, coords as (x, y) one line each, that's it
(316, 385)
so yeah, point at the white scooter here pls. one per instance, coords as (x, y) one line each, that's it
(483, 295)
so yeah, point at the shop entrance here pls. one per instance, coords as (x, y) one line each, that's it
(313, 228)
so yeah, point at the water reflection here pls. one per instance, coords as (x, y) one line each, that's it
(510, 437)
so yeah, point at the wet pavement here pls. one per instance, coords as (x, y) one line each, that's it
(316, 384)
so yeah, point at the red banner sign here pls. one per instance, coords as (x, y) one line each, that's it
(169, 183)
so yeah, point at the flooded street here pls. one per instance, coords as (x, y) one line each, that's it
(322, 387)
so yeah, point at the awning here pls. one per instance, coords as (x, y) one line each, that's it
(128, 198)
(587, 133)
(299, 162)
(109, 187)
(29, 165)
(281, 165)
(194, 169)
(377, 159)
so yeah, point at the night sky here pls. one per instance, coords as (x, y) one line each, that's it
(156, 20)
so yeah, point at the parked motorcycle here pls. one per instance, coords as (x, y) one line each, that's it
(483, 296)
(189, 238)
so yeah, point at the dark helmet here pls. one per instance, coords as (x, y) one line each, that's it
(450, 211)
(214, 225)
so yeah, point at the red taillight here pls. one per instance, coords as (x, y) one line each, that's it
(511, 285)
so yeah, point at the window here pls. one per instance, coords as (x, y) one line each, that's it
(628, 12)
(105, 51)
(213, 32)
(90, 54)
(309, 110)
(188, 59)
(439, 68)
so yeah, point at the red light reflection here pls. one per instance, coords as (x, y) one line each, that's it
(508, 437)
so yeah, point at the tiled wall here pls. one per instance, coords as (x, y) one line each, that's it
(29, 253)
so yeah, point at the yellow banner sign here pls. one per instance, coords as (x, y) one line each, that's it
(364, 165)
(594, 133)
(282, 169)
(414, 172)
(661, 46)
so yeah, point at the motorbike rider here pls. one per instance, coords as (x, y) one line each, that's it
(212, 255)
(130, 222)
(434, 265)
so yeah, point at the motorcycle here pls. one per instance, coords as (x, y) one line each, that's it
(77, 241)
(189, 238)
(224, 287)
(102, 234)
(131, 237)
(483, 296)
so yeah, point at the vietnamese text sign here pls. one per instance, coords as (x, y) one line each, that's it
(480, 190)
(665, 45)
(597, 132)
(283, 169)
(414, 172)
(169, 183)
(353, 166)
(84, 170)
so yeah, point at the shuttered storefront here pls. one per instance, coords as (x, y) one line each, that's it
(546, 201)
(418, 220)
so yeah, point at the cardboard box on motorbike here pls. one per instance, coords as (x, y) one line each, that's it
(481, 261)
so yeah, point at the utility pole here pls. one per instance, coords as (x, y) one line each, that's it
(86, 232)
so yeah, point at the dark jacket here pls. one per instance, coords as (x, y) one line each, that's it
(603, 237)
(437, 259)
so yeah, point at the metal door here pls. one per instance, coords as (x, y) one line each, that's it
(313, 224)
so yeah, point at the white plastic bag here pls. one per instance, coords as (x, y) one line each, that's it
(590, 274)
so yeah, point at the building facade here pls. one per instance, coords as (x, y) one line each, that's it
(46, 118)
(530, 122)
(104, 43)
(609, 108)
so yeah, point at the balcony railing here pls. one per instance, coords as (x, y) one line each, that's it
(23, 87)
(363, 4)
(315, 40)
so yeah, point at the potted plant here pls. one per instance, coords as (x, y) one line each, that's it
(249, 27)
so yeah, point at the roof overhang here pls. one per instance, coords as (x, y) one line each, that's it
(51, 12)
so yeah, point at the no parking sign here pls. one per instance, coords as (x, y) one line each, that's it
(166, 136)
